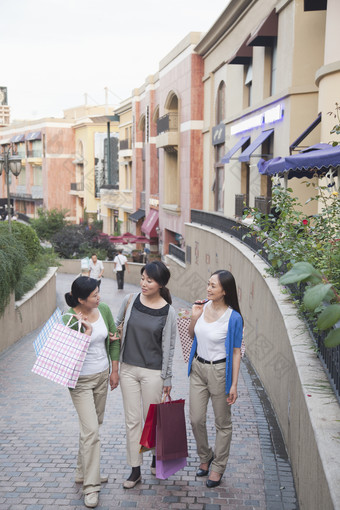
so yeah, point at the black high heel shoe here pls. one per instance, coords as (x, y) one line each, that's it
(205, 472)
(213, 483)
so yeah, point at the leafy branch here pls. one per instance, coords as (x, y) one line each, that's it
(320, 297)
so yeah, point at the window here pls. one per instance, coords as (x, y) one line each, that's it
(273, 69)
(248, 82)
(37, 175)
(219, 178)
(220, 107)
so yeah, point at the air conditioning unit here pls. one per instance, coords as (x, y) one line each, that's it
(241, 201)
(262, 204)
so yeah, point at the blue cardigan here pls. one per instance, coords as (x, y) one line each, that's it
(233, 339)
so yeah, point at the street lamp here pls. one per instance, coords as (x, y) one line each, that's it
(9, 162)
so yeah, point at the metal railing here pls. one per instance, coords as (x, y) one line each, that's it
(125, 144)
(77, 186)
(36, 153)
(330, 358)
(177, 252)
(168, 122)
(229, 226)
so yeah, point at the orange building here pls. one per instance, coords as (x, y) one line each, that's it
(46, 147)
(167, 148)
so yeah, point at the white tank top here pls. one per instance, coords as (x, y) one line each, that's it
(96, 358)
(211, 336)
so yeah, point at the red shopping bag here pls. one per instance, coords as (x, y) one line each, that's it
(148, 437)
(171, 434)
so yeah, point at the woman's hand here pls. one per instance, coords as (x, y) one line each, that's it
(196, 312)
(114, 380)
(166, 391)
(113, 336)
(197, 308)
(232, 397)
(84, 322)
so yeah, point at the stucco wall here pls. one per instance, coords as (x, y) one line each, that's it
(32, 311)
(281, 351)
(132, 275)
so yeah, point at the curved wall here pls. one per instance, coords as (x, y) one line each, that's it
(281, 351)
(22, 317)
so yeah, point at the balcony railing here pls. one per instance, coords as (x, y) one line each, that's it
(168, 122)
(35, 153)
(125, 144)
(77, 186)
(177, 252)
(223, 224)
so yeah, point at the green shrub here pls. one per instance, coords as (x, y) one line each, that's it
(12, 260)
(26, 236)
(78, 241)
(49, 222)
(32, 273)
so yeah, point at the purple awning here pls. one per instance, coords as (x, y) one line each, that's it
(234, 149)
(317, 159)
(245, 155)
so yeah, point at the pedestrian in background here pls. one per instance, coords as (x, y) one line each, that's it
(96, 268)
(217, 328)
(120, 265)
(147, 349)
(100, 367)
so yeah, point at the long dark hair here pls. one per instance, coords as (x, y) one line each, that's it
(228, 283)
(81, 288)
(161, 274)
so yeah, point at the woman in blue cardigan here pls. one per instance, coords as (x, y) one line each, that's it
(217, 327)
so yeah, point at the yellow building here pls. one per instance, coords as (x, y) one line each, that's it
(263, 62)
(92, 171)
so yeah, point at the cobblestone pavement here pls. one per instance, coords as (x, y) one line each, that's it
(39, 441)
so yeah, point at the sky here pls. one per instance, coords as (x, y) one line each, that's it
(53, 52)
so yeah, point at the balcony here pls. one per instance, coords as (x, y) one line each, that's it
(35, 153)
(77, 189)
(167, 131)
(115, 199)
(125, 148)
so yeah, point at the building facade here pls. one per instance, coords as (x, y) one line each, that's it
(46, 148)
(116, 204)
(260, 97)
(167, 149)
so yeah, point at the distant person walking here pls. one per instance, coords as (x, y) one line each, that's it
(120, 265)
(96, 268)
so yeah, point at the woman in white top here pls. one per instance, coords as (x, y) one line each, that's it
(99, 369)
(216, 325)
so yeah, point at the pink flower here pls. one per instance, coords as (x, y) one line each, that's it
(305, 222)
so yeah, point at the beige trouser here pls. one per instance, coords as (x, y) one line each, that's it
(140, 387)
(89, 399)
(208, 381)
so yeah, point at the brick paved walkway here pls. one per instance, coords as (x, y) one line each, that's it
(39, 438)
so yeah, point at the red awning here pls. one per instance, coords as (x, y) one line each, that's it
(151, 223)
